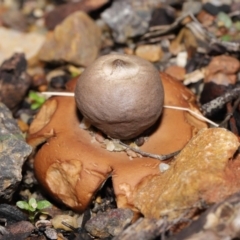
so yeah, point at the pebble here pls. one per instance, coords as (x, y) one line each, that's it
(59, 82)
(192, 7)
(110, 223)
(215, 9)
(152, 53)
(224, 64)
(19, 230)
(221, 79)
(51, 233)
(22, 125)
(176, 72)
(76, 40)
(58, 219)
(14, 81)
(163, 167)
(13, 41)
(14, 19)
(13, 153)
(162, 16)
(99, 137)
(205, 18)
(59, 13)
(127, 21)
(139, 141)
(181, 59)
(38, 80)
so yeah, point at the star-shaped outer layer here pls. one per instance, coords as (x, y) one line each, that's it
(72, 167)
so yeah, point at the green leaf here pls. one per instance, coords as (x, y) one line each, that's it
(37, 100)
(226, 38)
(36, 97)
(32, 203)
(43, 204)
(22, 205)
(237, 25)
(31, 209)
(35, 106)
(224, 19)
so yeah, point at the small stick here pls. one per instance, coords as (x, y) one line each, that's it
(195, 114)
(150, 155)
(230, 114)
(65, 94)
(209, 108)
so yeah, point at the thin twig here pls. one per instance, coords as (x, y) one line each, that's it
(159, 30)
(230, 114)
(195, 114)
(65, 94)
(68, 225)
(150, 155)
(216, 104)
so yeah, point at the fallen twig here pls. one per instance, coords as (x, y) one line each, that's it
(195, 114)
(230, 114)
(216, 104)
(150, 155)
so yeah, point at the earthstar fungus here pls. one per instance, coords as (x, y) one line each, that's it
(71, 165)
(122, 95)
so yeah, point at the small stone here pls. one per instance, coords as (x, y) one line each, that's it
(176, 72)
(224, 64)
(19, 230)
(110, 146)
(111, 223)
(163, 167)
(13, 41)
(127, 21)
(140, 141)
(205, 18)
(221, 79)
(215, 8)
(59, 13)
(58, 219)
(152, 53)
(22, 125)
(192, 7)
(21, 227)
(14, 81)
(39, 80)
(181, 59)
(12, 214)
(51, 233)
(13, 153)
(131, 153)
(162, 16)
(14, 19)
(59, 82)
(76, 40)
(99, 137)
(85, 124)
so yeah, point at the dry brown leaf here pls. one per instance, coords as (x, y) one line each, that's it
(193, 178)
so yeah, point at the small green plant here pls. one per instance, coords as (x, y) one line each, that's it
(36, 100)
(33, 207)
